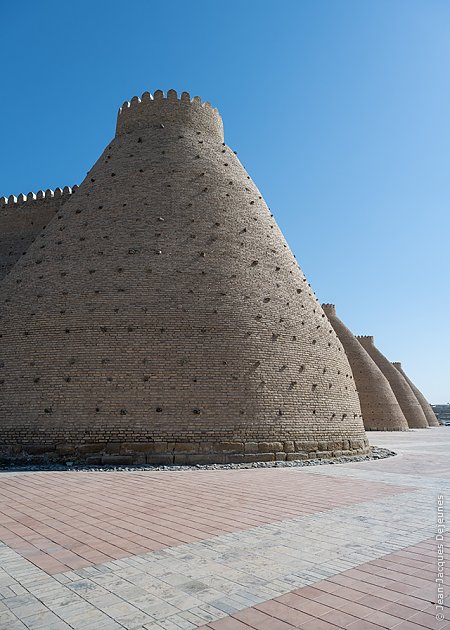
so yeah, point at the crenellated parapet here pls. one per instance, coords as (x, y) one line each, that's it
(42, 196)
(366, 338)
(23, 217)
(160, 111)
(330, 309)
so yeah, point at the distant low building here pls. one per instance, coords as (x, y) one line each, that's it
(443, 413)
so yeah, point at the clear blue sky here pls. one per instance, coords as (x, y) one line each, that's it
(340, 110)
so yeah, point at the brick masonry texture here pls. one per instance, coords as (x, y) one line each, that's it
(405, 396)
(426, 407)
(22, 218)
(379, 406)
(161, 316)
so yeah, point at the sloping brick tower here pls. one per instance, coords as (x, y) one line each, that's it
(403, 392)
(21, 220)
(379, 406)
(423, 402)
(162, 317)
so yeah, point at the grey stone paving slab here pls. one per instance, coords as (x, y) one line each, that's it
(187, 586)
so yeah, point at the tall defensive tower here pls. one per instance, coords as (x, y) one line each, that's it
(403, 392)
(423, 402)
(379, 406)
(162, 317)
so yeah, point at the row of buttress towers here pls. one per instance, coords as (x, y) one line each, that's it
(389, 400)
(159, 316)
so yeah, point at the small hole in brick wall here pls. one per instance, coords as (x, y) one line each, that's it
(141, 170)
(36, 380)
(48, 410)
(92, 179)
(67, 379)
(97, 409)
(274, 337)
(139, 140)
(196, 411)
(314, 412)
(158, 409)
(113, 174)
(254, 263)
(314, 341)
(100, 207)
(123, 412)
(280, 412)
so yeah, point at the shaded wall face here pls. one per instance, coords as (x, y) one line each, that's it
(403, 392)
(426, 407)
(20, 224)
(379, 406)
(21, 221)
(172, 318)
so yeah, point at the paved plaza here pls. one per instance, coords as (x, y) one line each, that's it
(325, 547)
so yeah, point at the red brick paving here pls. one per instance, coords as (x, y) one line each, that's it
(69, 520)
(385, 593)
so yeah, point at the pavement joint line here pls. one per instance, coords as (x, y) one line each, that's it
(203, 581)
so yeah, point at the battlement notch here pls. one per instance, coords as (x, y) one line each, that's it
(330, 309)
(159, 110)
(32, 199)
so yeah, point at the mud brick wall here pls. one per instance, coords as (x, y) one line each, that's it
(426, 407)
(163, 317)
(403, 392)
(22, 218)
(379, 406)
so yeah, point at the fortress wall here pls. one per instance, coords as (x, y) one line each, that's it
(406, 399)
(22, 218)
(379, 406)
(427, 410)
(164, 317)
